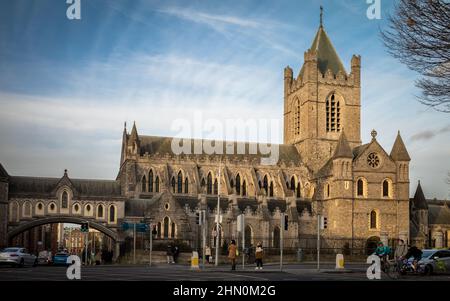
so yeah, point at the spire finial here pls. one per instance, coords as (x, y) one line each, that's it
(321, 16)
(373, 134)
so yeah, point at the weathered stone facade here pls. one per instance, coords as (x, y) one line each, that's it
(323, 168)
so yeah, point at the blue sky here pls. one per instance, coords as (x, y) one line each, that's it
(67, 86)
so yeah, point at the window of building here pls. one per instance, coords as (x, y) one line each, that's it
(265, 184)
(238, 184)
(373, 160)
(172, 232)
(144, 184)
(333, 114)
(293, 183)
(271, 189)
(244, 188)
(360, 187)
(298, 190)
(173, 184)
(166, 227)
(150, 181)
(27, 209)
(159, 230)
(327, 190)
(100, 211)
(186, 185)
(112, 214)
(373, 220)
(157, 184)
(386, 188)
(180, 182)
(65, 200)
(209, 184)
(297, 117)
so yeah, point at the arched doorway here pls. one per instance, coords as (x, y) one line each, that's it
(371, 244)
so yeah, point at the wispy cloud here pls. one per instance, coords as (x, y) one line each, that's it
(429, 134)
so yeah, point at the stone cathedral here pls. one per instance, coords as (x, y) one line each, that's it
(323, 168)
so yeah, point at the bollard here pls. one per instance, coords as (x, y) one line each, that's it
(339, 261)
(194, 261)
(299, 255)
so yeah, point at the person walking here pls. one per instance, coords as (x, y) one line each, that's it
(176, 253)
(259, 252)
(400, 252)
(207, 253)
(232, 250)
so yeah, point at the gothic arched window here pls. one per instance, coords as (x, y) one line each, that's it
(293, 184)
(385, 188)
(373, 219)
(65, 200)
(173, 184)
(360, 187)
(157, 184)
(238, 184)
(173, 230)
(271, 189)
(244, 188)
(112, 214)
(180, 182)
(166, 227)
(265, 184)
(186, 185)
(209, 184)
(100, 211)
(144, 184)
(159, 230)
(298, 190)
(333, 114)
(150, 181)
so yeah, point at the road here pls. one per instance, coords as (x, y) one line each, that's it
(164, 272)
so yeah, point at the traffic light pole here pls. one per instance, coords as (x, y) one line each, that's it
(281, 240)
(318, 241)
(151, 245)
(134, 243)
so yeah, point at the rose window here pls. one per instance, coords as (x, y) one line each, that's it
(373, 160)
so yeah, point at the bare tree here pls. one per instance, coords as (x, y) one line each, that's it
(418, 34)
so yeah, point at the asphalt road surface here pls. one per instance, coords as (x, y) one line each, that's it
(164, 272)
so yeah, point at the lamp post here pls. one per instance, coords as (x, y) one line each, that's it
(218, 220)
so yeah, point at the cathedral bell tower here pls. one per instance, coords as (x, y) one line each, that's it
(321, 101)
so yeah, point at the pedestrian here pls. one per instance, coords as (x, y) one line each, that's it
(176, 253)
(259, 252)
(400, 252)
(232, 253)
(207, 253)
(169, 254)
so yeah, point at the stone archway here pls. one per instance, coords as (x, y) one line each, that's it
(24, 226)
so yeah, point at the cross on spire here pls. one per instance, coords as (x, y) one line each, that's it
(321, 16)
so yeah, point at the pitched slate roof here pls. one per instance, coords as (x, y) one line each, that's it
(163, 146)
(45, 186)
(327, 57)
(3, 173)
(439, 214)
(343, 149)
(399, 152)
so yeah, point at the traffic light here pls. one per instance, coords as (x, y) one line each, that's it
(84, 227)
(154, 232)
(197, 217)
(325, 222)
(286, 222)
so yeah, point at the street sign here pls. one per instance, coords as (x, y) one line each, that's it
(140, 227)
